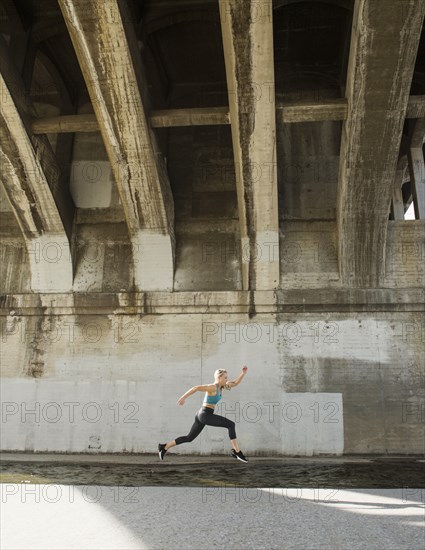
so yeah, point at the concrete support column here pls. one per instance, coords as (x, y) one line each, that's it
(384, 44)
(106, 46)
(417, 168)
(30, 176)
(397, 204)
(248, 50)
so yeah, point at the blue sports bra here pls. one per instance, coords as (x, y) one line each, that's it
(212, 399)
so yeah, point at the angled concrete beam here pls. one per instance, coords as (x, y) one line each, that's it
(211, 116)
(418, 134)
(106, 47)
(384, 44)
(417, 168)
(248, 52)
(208, 116)
(64, 142)
(397, 204)
(335, 109)
(64, 124)
(216, 116)
(312, 112)
(29, 175)
(416, 106)
(158, 119)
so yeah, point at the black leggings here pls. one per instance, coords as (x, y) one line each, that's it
(206, 417)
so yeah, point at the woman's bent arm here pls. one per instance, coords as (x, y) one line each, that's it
(182, 399)
(239, 379)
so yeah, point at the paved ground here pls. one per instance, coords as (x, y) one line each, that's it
(100, 517)
(77, 513)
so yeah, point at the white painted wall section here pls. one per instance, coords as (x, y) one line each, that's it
(153, 261)
(91, 183)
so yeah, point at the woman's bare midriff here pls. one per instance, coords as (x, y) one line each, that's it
(209, 406)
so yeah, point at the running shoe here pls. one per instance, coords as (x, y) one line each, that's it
(239, 456)
(161, 451)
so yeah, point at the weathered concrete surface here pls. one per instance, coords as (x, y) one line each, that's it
(308, 255)
(312, 111)
(270, 302)
(106, 47)
(334, 368)
(13, 251)
(215, 253)
(103, 258)
(308, 170)
(158, 119)
(384, 44)
(285, 112)
(91, 180)
(30, 176)
(248, 51)
(397, 202)
(417, 167)
(207, 228)
(207, 257)
(318, 382)
(405, 255)
(416, 107)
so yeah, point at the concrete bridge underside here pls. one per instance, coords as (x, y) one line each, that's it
(192, 184)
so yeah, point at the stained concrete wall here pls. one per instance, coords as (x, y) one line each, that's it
(308, 172)
(318, 382)
(13, 252)
(328, 374)
(333, 370)
(405, 255)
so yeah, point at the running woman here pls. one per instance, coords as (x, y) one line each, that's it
(206, 417)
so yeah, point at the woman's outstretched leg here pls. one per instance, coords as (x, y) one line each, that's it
(219, 422)
(195, 430)
(223, 422)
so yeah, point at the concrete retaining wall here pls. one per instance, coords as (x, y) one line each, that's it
(318, 382)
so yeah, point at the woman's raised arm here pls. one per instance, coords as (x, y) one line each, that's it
(239, 379)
